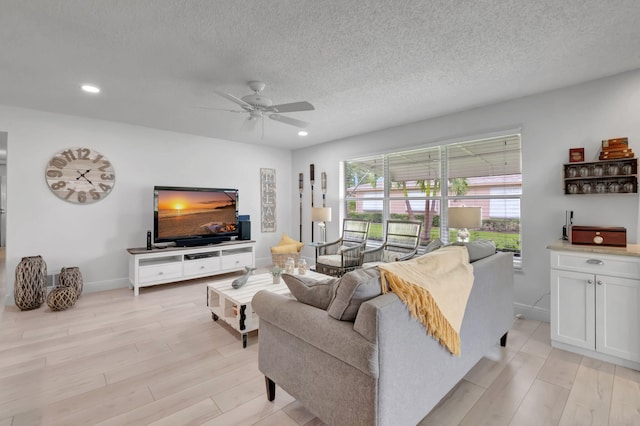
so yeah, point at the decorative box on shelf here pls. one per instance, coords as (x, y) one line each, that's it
(618, 176)
(614, 236)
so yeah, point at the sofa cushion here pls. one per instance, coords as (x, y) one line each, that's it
(478, 249)
(310, 291)
(330, 259)
(354, 288)
(433, 245)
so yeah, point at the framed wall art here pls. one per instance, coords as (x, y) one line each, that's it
(268, 200)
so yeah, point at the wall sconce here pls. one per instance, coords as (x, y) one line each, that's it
(463, 218)
(321, 215)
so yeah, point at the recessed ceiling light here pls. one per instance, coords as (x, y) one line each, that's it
(303, 133)
(89, 88)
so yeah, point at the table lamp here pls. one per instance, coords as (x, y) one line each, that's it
(321, 215)
(463, 218)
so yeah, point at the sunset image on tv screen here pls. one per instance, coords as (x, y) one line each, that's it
(195, 213)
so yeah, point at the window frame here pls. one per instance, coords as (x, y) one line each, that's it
(443, 198)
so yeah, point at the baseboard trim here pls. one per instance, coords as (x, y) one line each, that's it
(93, 287)
(105, 285)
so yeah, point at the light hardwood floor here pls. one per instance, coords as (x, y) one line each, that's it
(159, 359)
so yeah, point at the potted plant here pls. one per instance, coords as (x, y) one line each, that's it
(276, 272)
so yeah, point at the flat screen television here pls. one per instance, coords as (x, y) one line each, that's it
(190, 216)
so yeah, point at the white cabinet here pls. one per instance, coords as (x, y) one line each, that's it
(595, 305)
(159, 266)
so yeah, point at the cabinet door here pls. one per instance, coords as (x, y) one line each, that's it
(618, 317)
(573, 308)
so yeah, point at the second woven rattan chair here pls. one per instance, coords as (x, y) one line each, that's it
(343, 255)
(401, 242)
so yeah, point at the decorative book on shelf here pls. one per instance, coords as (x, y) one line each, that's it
(615, 149)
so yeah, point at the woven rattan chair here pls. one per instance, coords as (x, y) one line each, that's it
(343, 255)
(401, 242)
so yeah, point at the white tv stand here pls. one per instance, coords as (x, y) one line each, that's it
(159, 266)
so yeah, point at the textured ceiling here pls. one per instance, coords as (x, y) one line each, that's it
(364, 65)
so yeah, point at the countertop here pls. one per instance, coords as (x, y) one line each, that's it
(629, 250)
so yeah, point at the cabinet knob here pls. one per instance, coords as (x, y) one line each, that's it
(599, 282)
(589, 281)
(595, 262)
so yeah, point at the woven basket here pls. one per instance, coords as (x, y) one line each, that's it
(71, 277)
(279, 259)
(61, 298)
(30, 287)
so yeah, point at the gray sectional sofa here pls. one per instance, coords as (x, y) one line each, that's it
(381, 369)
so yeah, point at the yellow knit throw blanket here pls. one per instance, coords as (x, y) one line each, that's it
(435, 287)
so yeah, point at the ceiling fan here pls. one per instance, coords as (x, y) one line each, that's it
(258, 106)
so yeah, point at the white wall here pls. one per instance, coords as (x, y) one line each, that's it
(551, 123)
(95, 237)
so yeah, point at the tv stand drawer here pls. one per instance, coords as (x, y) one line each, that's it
(236, 261)
(201, 266)
(162, 272)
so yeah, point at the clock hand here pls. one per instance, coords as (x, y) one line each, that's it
(82, 175)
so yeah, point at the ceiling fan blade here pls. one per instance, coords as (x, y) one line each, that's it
(292, 107)
(221, 109)
(289, 120)
(232, 98)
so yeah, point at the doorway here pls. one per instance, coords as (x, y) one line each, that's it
(3, 217)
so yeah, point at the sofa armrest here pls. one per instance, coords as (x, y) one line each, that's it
(367, 318)
(315, 327)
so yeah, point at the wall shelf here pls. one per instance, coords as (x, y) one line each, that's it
(601, 177)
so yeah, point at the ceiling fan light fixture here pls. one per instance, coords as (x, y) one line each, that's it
(90, 88)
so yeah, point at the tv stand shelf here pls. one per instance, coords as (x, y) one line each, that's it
(167, 265)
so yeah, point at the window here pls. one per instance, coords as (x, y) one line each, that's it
(408, 185)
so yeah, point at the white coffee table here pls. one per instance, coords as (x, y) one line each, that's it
(233, 306)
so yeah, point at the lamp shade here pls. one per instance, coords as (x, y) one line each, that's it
(321, 214)
(465, 217)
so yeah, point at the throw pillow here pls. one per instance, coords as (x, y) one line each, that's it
(433, 245)
(285, 248)
(478, 249)
(287, 240)
(354, 288)
(317, 293)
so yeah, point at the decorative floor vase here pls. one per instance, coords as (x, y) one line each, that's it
(71, 277)
(30, 287)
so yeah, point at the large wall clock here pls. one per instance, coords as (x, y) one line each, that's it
(80, 175)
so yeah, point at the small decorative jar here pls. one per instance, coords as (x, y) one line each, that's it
(598, 170)
(627, 169)
(302, 267)
(289, 266)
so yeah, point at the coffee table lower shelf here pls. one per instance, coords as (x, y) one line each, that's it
(233, 306)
